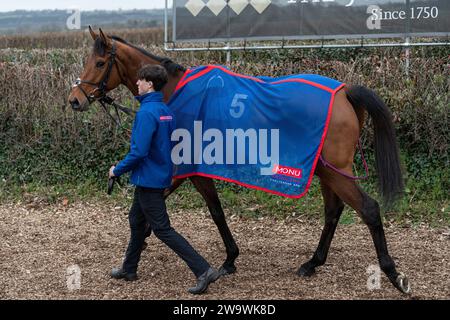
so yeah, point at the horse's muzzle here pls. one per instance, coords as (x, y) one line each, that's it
(75, 104)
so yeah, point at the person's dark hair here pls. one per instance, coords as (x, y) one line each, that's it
(154, 73)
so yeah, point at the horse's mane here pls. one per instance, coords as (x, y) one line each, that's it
(171, 67)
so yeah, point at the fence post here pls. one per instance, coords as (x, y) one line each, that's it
(407, 55)
(228, 55)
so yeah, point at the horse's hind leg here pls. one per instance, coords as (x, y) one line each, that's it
(208, 191)
(333, 210)
(370, 214)
(369, 211)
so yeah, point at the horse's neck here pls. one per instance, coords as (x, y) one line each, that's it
(132, 63)
(169, 88)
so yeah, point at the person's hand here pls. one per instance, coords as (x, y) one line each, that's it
(111, 173)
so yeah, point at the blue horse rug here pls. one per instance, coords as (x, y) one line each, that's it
(259, 132)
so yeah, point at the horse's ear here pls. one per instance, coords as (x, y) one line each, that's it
(93, 35)
(104, 38)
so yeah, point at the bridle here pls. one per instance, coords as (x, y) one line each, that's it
(101, 85)
(101, 88)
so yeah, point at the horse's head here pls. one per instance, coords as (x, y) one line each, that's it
(100, 74)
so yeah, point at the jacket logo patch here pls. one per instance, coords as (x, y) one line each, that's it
(165, 118)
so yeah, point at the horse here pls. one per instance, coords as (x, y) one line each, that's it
(113, 62)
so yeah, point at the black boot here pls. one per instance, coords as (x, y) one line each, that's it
(204, 280)
(119, 273)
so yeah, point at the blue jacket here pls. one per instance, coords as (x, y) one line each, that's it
(150, 147)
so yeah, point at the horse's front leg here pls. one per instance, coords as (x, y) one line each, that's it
(173, 186)
(208, 191)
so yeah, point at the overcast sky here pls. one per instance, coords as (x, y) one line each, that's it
(8, 5)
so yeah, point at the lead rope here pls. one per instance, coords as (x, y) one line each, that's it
(326, 164)
(110, 101)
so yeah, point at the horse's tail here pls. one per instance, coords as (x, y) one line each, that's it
(390, 181)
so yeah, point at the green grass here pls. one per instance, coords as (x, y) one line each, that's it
(411, 209)
(348, 217)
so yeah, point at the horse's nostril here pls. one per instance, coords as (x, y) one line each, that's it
(75, 104)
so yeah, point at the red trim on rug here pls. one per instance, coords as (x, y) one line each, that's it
(237, 74)
(208, 68)
(195, 76)
(306, 82)
(234, 181)
(324, 135)
(178, 86)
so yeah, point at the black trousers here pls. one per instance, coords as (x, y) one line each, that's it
(149, 207)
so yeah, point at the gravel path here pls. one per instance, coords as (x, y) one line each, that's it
(40, 242)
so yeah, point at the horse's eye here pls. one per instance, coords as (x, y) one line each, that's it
(100, 64)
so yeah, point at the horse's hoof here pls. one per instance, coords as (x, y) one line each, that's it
(305, 271)
(223, 271)
(402, 283)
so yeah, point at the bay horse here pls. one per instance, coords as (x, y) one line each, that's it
(113, 61)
